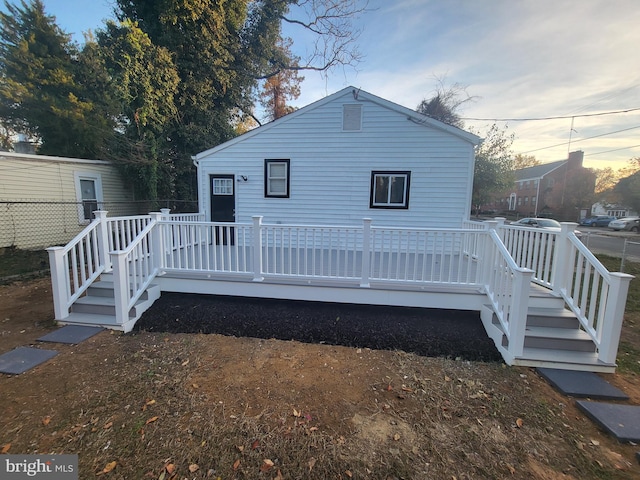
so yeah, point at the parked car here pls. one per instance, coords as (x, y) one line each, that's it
(631, 224)
(544, 223)
(597, 221)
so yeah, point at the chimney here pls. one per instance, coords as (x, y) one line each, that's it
(575, 159)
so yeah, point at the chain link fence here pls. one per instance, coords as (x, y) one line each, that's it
(39, 224)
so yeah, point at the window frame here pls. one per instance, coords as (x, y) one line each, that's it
(268, 177)
(96, 178)
(388, 205)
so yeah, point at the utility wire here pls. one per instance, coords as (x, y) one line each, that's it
(563, 117)
(580, 140)
(614, 150)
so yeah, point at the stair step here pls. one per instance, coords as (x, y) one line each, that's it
(75, 318)
(559, 338)
(102, 288)
(563, 359)
(551, 317)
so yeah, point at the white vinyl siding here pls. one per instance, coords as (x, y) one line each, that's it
(330, 173)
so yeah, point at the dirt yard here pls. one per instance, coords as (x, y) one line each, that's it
(162, 405)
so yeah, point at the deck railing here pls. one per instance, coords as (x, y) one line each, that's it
(134, 268)
(507, 286)
(501, 259)
(564, 265)
(77, 265)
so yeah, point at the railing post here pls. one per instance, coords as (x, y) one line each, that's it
(487, 260)
(59, 282)
(165, 212)
(120, 286)
(518, 310)
(103, 239)
(559, 273)
(157, 242)
(257, 248)
(366, 252)
(613, 316)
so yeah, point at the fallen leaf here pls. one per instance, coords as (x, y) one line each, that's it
(396, 437)
(389, 388)
(279, 476)
(109, 467)
(296, 413)
(267, 464)
(236, 464)
(185, 363)
(407, 389)
(312, 462)
(519, 423)
(150, 402)
(240, 448)
(108, 425)
(511, 469)
(348, 473)
(151, 420)
(5, 448)
(255, 444)
(595, 442)
(46, 420)
(170, 468)
(195, 385)
(193, 467)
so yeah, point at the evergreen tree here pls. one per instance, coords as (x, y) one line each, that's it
(39, 92)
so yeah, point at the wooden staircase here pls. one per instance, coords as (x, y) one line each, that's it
(553, 339)
(97, 307)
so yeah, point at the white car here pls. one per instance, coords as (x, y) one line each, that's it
(631, 224)
(543, 223)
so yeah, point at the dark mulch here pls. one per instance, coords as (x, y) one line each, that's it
(427, 332)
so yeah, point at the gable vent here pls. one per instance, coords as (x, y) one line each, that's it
(352, 118)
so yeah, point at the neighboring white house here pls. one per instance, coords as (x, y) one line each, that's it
(348, 156)
(47, 200)
(613, 210)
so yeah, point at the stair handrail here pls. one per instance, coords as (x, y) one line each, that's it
(134, 268)
(507, 287)
(596, 296)
(78, 264)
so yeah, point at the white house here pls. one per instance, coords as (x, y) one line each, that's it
(351, 199)
(46, 200)
(348, 156)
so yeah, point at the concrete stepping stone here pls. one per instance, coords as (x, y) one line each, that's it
(621, 421)
(581, 384)
(21, 359)
(71, 334)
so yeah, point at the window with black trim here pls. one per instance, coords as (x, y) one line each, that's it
(276, 178)
(390, 189)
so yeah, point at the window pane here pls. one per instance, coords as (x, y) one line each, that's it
(278, 170)
(382, 189)
(397, 190)
(88, 189)
(277, 187)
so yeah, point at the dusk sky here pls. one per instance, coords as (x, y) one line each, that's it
(521, 59)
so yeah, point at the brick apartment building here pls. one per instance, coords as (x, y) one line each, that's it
(562, 190)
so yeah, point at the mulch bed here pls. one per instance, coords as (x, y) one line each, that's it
(427, 332)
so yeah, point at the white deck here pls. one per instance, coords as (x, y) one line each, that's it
(498, 271)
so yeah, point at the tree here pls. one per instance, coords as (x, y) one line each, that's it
(40, 91)
(222, 49)
(521, 161)
(283, 86)
(143, 81)
(444, 104)
(629, 190)
(493, 171)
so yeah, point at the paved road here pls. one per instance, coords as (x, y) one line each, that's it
(603, 240)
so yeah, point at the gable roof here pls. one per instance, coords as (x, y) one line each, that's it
(538, 171)
(360, 95)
